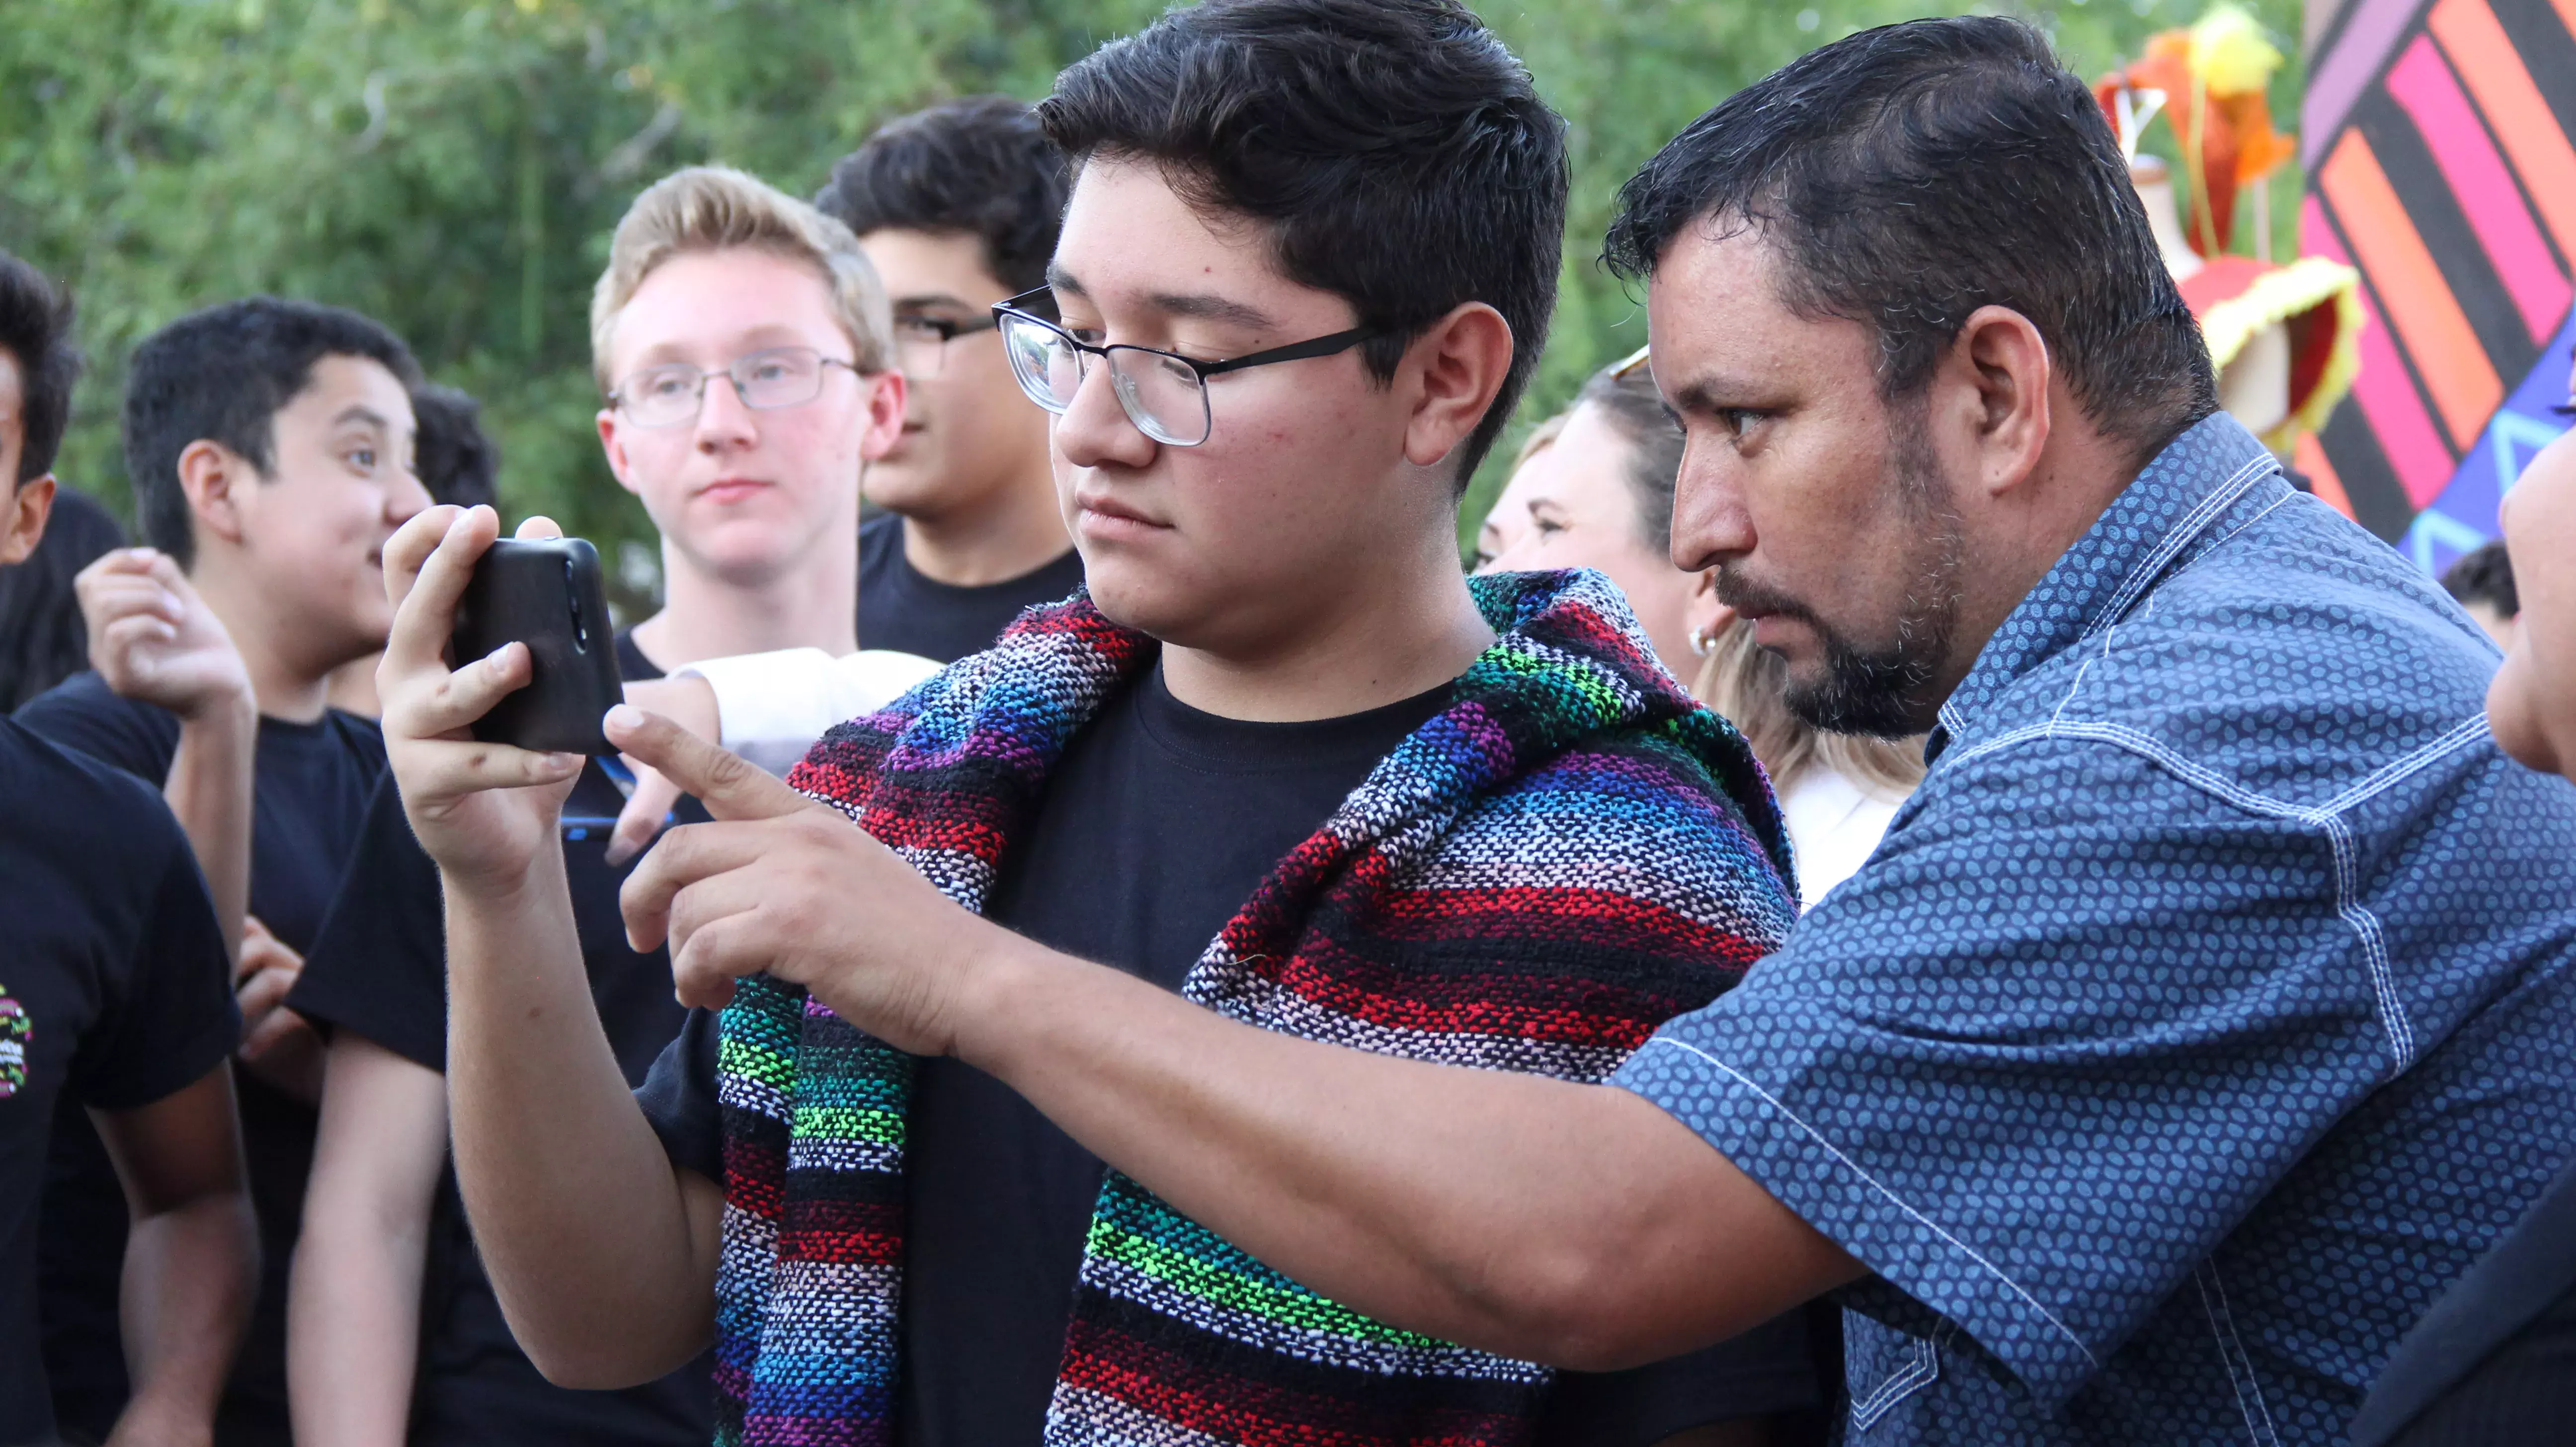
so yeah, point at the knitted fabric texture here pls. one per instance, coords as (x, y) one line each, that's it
(1570, 853)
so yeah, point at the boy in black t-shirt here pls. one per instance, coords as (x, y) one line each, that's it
(270, 447)
(957, 206)
(743, 344)
(112, 1001)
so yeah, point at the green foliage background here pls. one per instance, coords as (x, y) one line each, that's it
(455, 168)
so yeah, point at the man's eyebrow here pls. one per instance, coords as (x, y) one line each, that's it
(1207, 306)
(1204, 306)
(361, 412)
(931, 298)
(1711, 394)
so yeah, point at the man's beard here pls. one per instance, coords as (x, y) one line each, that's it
(1882, 691)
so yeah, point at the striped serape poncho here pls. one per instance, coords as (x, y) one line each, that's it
(1567, 855)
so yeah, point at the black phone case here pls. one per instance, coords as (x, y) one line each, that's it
(545, 594)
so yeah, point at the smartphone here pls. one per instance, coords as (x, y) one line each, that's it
(546, 594)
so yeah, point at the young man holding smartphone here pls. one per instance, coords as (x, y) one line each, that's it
(269, 443)
(741, 340)
(1282, 759)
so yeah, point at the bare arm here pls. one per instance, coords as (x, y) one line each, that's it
(191, 1258)
(353, 1312)
(602, 1252)
(210, 790)
(152, 638)
(1573, 1224)
(278, 1045)
(569, 1190)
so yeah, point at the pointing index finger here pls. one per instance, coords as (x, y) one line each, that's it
(729, 786)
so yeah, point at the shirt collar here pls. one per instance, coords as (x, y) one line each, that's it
(2170, 506)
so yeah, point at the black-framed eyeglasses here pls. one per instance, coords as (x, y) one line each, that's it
(922, 341)
(1163, 393)
(766, 380)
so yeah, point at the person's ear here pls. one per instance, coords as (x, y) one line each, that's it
(1461, 362)
(214, 479)
(613, 442)
(886, 400)
(1999, 370)
(24, 525)
(1706, 617)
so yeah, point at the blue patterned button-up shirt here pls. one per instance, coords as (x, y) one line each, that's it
(2208, 1010)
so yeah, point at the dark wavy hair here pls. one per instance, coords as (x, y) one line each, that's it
(222, 375)
(454, 458)
(2484, 574)
(1911, 174)
(981, 167)
(36, 329)
(1399, 156)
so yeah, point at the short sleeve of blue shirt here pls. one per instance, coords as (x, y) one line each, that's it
(2008, 1067)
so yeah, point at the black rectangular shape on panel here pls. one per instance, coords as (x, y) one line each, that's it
(2426, 193)
(2379, 500)
(2548, 55)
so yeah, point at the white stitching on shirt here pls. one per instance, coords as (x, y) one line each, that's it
(2277, 503)
(2462, 735)
(1836, 1152)
(2232, 1356)
(2472, 730)
(2077, 686)
(1922, 1368)
(2326, 816)
(2180, 536)
(2374, 949)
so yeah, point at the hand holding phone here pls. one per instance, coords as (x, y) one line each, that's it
(545, 593)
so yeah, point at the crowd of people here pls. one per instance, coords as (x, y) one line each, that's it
(1918, 891)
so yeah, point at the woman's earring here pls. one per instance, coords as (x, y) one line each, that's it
(1702, 642)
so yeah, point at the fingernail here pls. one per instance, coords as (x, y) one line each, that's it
(623, 716)
(565, 763)
(619, 851)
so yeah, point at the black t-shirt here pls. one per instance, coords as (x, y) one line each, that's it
(1158, 823)
(905, 610)
(379, 969)
(115, 990)
(309, 793)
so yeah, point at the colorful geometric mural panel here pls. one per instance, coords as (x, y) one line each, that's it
(2436, 137)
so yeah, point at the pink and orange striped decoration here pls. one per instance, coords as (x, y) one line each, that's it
(2436, 136)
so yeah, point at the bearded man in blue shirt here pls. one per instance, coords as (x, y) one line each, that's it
(2201, 1017)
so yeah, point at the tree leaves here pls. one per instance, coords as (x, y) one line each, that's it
(455, 168)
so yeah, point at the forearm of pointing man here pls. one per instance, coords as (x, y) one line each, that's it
(569, 1190)
(1572, 1224)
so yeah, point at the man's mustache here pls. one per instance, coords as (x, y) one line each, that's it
(1760, 600)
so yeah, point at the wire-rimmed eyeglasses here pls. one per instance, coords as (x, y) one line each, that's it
(670, 395)
(1163, 393)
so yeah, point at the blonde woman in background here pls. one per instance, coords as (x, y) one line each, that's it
(1593, 488)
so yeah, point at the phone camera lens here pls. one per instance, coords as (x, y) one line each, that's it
(572, 603)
